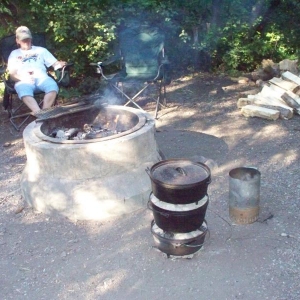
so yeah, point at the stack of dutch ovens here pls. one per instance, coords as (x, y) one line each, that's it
(179, 201)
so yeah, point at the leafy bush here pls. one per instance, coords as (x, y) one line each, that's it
(199, 33)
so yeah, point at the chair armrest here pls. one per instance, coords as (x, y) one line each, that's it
(165, 60)
(107, 68)
(68, 64)
(63, 75)
(111, 60)
(9, 85)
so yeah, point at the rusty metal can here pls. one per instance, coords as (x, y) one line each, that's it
(244, 195)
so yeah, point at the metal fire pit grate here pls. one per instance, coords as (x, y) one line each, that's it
(58, 111)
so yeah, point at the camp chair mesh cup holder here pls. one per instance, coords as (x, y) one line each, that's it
(15, 113)
(141, 60)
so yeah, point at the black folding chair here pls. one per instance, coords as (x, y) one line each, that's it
(142, 63)
(17, 111)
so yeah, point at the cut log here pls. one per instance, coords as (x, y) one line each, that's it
(265, 100)
(292, 100)
(284, 84)
(271, 94)
(290, 76)
(261, 112)
(284, 112)
(278, 90)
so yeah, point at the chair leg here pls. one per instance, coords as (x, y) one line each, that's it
(130, 100)
(161, 99)
(12, 114)
(18, 127)
(165, 95)
(9, 106)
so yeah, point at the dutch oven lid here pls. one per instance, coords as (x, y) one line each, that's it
(180, 172)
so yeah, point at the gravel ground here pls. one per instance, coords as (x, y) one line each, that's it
(51, 257)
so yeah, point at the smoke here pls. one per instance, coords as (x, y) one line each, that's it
(107, 97)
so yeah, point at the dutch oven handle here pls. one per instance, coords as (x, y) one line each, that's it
(193, 246)
(181, 171)
(151, 208)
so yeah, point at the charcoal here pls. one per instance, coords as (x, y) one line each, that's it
(70, 133)
(61, 134)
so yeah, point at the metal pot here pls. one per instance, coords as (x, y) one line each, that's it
(179, 181)
(179, 218)
(179, 244)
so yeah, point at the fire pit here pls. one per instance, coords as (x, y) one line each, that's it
(95, 178)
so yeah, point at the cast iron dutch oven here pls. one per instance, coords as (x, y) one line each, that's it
(179, 181)
(179, 244)
(179, 218)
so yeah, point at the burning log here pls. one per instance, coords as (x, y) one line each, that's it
(112, 124)
(88, 131)
(116, 122)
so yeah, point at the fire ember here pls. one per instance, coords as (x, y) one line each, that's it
(88, 131)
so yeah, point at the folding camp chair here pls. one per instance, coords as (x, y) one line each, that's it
(16, 111)
(142, 60)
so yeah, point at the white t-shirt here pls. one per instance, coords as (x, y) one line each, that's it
(31, 62)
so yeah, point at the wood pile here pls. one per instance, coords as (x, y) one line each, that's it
(279, 98)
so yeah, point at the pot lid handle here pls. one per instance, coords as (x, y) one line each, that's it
(181, 171)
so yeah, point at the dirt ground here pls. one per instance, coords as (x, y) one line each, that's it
(46, 257)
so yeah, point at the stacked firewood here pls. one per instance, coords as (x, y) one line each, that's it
(279, 98)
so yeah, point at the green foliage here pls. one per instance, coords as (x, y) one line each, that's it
(232, 34)
(80, 33)
(238, 50)
(68, 93)
(89, 85)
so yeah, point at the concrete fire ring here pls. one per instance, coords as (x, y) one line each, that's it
(90, 181)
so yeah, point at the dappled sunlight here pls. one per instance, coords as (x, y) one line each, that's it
(188, 114)
(34, 165)
(286, 157)
(101, 284)
(179, 84)
(92, 206)
(114, 257)
(202, 87)
(74, 221)
(112, 251)
(247, 139)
